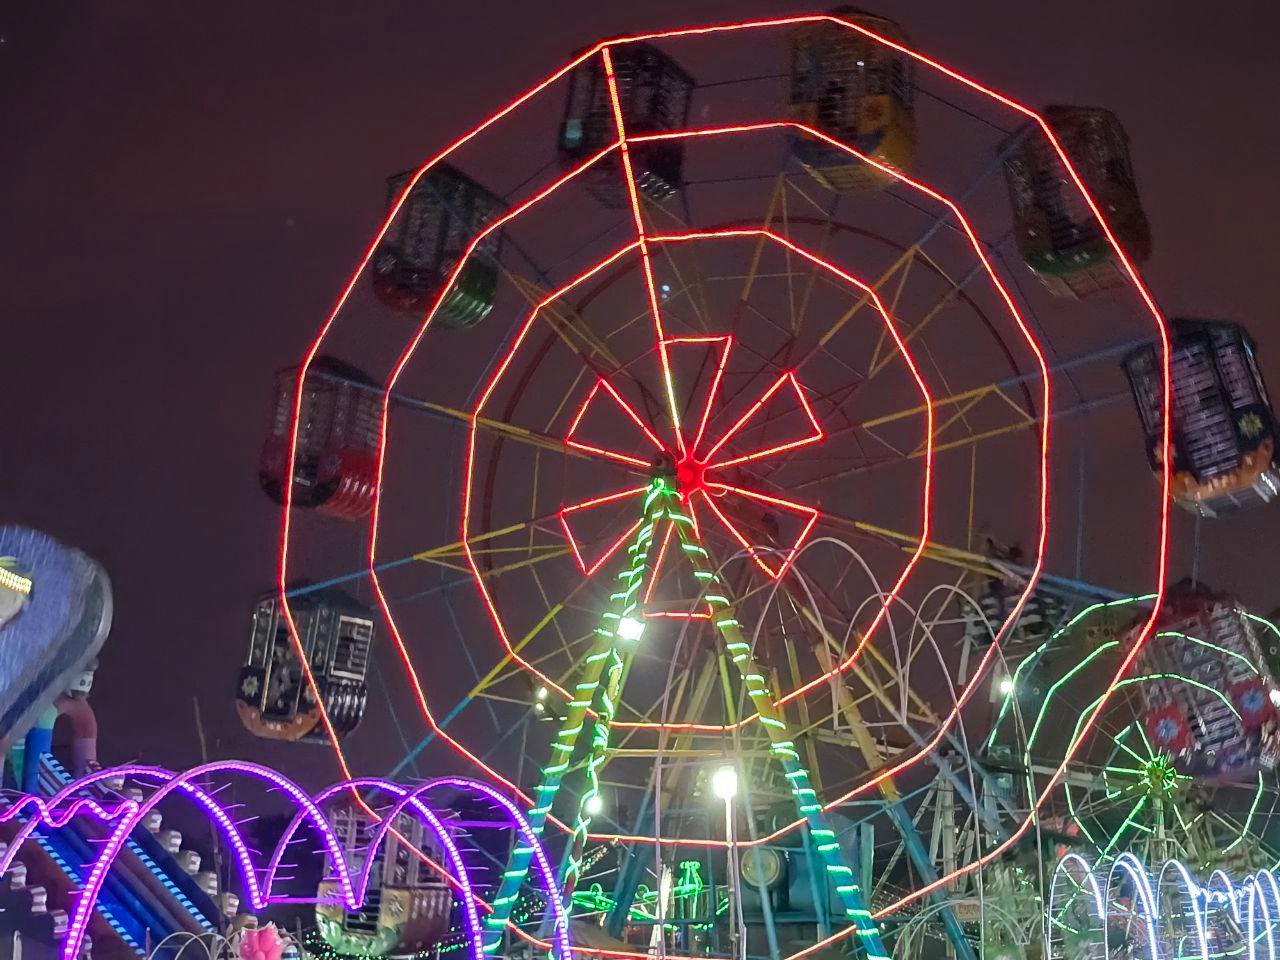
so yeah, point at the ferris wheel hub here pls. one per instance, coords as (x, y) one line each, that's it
(690, 475)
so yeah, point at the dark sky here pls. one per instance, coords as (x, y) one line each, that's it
(184, 187)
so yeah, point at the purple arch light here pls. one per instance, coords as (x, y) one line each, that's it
(57, 811)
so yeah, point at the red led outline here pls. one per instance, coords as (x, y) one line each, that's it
(908, 359)
(469, 471)
(661, 557)
(713, 390)
(299, 388)
(611, 454)
(287, 505)
(631, 414)
(812, 512)
(1123, 258)
(706, 460)
(590, 571)
(646, 263)
(815, 437)
(389, 387)
(669, 529)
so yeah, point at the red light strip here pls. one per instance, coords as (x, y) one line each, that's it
(588, 505)
(406, 354)
(666, 614)
(927, 498)
(742, 541)
(698, 235)
(303, 370)
(1155, 314)
(305, 367)
(726, 344)
(650, 286)
(582, 410)
(609, 551)
(1144, 294)
(469, 473)
(812, 513)
(1163, 537)
(610, 454)
(814, 437)
(600, 501)
(751, 411)
(635, 417)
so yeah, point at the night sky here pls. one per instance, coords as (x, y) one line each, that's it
(184, 188)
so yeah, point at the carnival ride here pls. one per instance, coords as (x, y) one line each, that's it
(755, 451)
(770, 459)
(57, 605)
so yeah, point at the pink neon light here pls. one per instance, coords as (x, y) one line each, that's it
(60, 809)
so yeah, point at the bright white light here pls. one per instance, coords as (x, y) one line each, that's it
(542, 693)
(1006, 685)
(540, 707)
(1275, 697)
(594, 804)
(724, 782)
(630, 629)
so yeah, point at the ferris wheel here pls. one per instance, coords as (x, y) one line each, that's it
(744, 449)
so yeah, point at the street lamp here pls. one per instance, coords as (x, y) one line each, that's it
(724, 784)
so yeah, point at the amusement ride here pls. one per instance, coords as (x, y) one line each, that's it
(741, 470)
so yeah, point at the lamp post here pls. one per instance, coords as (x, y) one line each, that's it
(724, 784)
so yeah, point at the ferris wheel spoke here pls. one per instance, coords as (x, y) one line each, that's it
(953, 292)
(812, 272)
(874, 366)
(700, 310)
(568, 324)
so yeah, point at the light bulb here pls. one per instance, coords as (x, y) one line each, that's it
(724, 782)
(1006, 685)
(594, 804)
(542, 693)
(630, 629)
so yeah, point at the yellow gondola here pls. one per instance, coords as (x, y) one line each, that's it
(857, 90)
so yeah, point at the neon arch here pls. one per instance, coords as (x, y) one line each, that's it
(59, 810)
